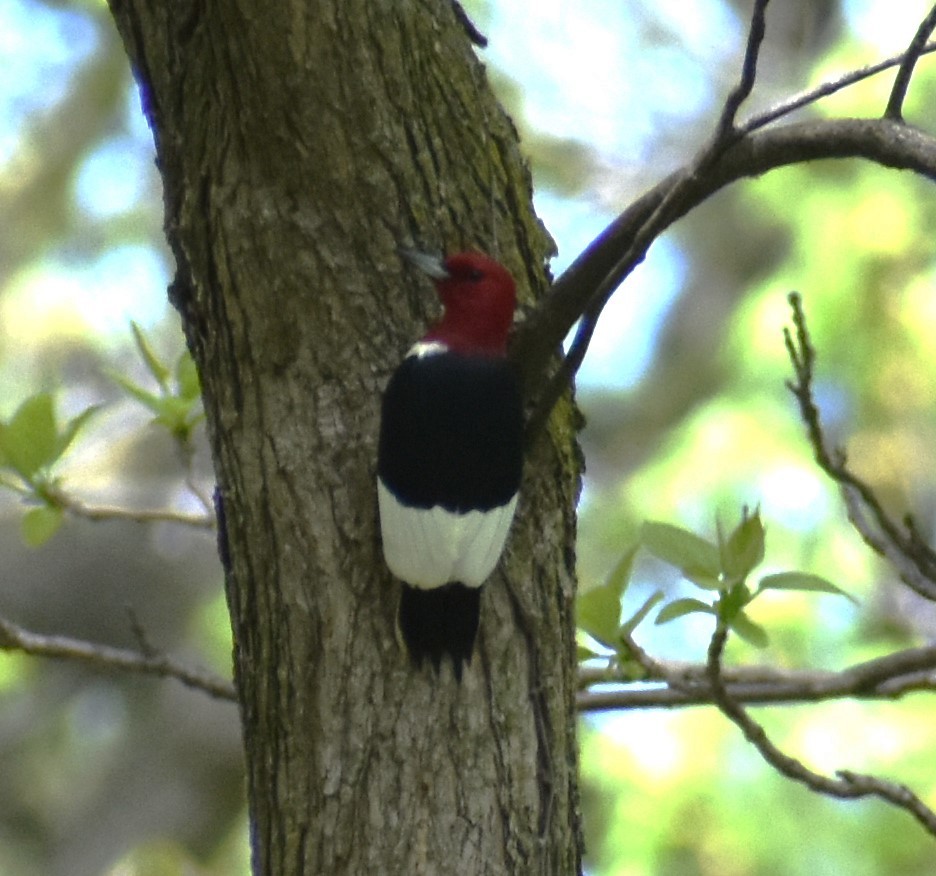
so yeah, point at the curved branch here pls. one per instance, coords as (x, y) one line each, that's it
(883, 141)
(846, 785)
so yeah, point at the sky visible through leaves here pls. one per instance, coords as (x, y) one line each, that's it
(624, 90)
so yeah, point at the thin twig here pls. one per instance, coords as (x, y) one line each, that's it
(895, 554)
(894, 109)
(725, 129)
(475, 35)
(108, 658)
(885, 537)
(827, 88)
(660, 217)
(204, 498)
(565, 373)
(139, 633)
(135, 515)
(186, 450)
(580, 290)
(846, 785)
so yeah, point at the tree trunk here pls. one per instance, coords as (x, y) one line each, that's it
(300, 143)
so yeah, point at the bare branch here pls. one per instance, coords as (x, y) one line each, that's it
(894, 109)
(827, 88)
(847, 785)
(740, 93)
(914, 560)
(108, 658)
(136, 515)
(900, 558)
(583, 290)
(139, 633)
(567, 369)
(885, 142)
(186, 450)
(673, 684)
(470, 28)
(204, 498)
(663, 213)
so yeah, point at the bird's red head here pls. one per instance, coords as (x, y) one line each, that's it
(479, 297)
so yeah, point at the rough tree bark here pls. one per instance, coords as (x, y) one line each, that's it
(299, 144)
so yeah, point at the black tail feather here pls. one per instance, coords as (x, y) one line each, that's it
(440, 621)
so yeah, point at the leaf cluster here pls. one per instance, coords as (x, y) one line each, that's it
(719, 569)
(34, 439)
(176, 405)
(31, 442)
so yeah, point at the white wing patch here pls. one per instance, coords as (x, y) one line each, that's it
(429, 547)
(421, 349)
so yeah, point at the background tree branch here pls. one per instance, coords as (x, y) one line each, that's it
(888, 677)
(229, 195)
(826, 89)
(672, 684)
(847, 785)
(109, 659)
(79, 508)
(912, 557)
(894, 108)
(883, 141)
(583, 290)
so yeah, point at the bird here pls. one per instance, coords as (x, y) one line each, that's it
(450, 457)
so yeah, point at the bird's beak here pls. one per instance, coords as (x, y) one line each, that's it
(430, 265)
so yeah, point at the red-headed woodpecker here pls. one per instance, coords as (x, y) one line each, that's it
(450, 457)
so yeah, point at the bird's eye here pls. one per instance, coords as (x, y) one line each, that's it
(475, 274)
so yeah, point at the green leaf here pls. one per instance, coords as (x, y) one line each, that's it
(631, 624)
(145, 397)
(174, 411)
(67, 435)
(176, 414)
(802, 581)
(630, 669)
(599, 610)
(154, 364)
(681, 607)
(599, 614)
(743, 550)
(40, 524)
(619, 577)
(734, 600)
(9, 482)
(583, 654)
(694, 556)
(186, 375)
(705, 582)
(29, 440)
(752, 633)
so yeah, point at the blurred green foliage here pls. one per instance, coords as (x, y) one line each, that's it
(682, 793)
(31, 442)
(137, 778)
(719, 569)
(177, 405)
